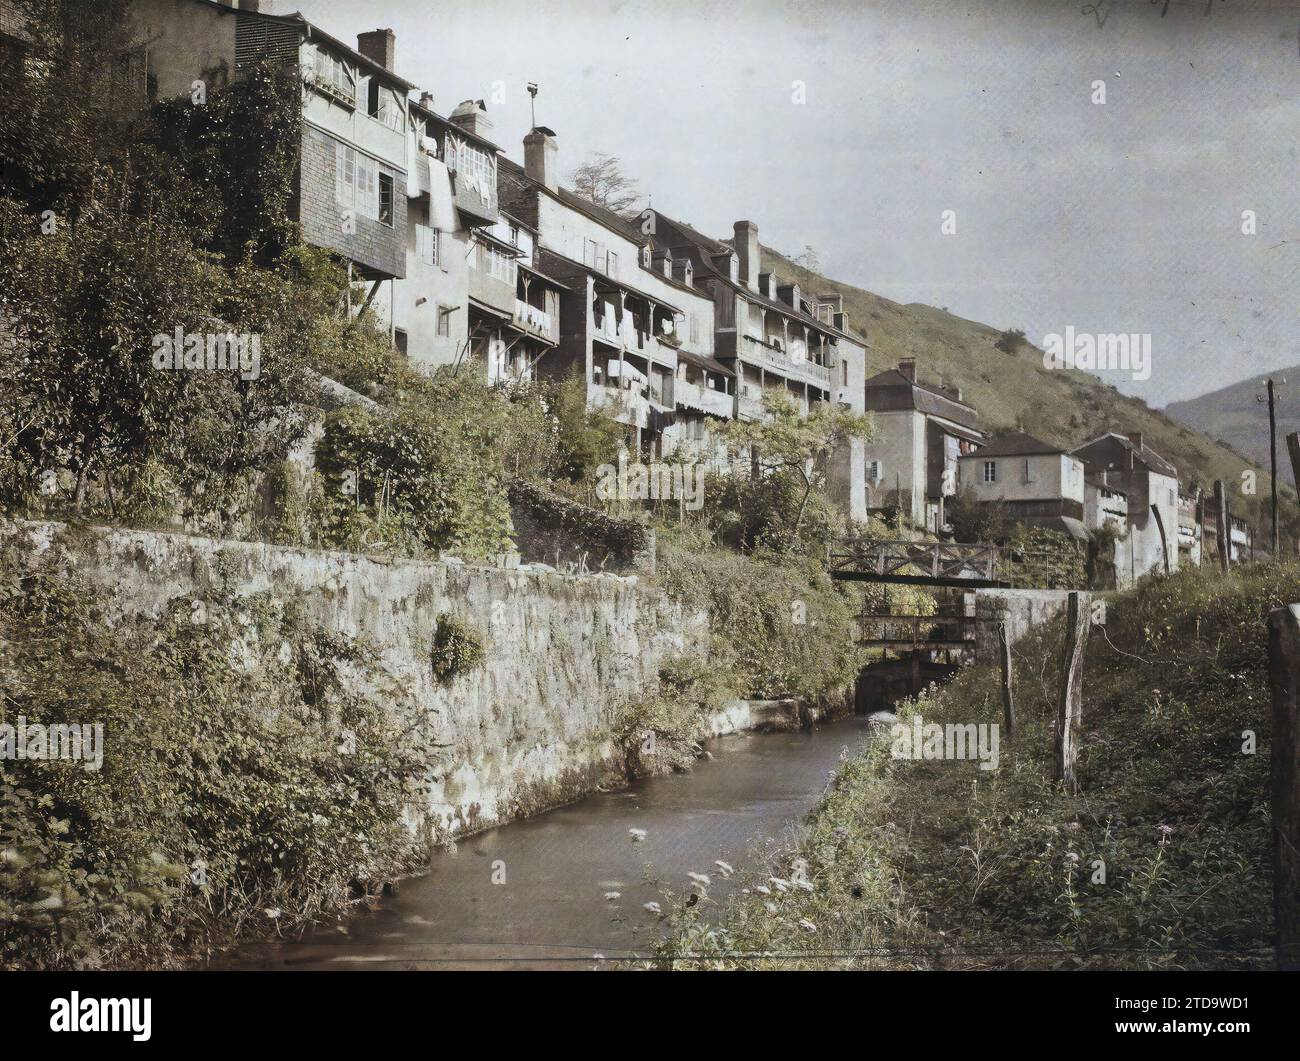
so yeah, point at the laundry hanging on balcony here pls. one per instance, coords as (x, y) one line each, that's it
(442, 212)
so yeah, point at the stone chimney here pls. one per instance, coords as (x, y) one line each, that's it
(377, 46)
(426, 100)
(472, 116)
(1136, 438)
(540, 157)
(263, 6)
(907, 366)
(746, 243)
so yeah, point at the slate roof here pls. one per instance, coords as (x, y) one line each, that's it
(1017, 444)
(890, 391)
(1146, 455)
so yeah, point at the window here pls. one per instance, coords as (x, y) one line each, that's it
(611, 263)
(497, 263)
(990, 471)
(645, 257)
(514, 235)
(592, 253)
(386, 199)
(426, 244)
(444, 321)
(844, 375)
(356, 182)
(875, 471)
(399, 340)
(475, 166)
(332, 74)
(1029, 471)
(384, 106)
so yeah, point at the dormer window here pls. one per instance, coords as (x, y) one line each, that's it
(688, 273)
(645, 257)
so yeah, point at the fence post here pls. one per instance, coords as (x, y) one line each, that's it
(1070, 704)
(1284, 680)
(1222, 525)
(1008, 696)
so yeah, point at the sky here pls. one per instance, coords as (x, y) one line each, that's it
(851, 127)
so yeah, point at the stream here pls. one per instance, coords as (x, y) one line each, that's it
(550, 905)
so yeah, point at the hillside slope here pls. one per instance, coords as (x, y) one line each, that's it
(1015, 391)
(1236, 416)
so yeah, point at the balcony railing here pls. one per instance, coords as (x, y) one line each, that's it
(693, 396)
(760, 353)
(535, 320)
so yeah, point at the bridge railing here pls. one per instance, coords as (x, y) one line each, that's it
(901, 558)
(916, 631)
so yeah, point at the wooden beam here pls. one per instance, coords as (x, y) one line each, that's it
(1069, 705)
(1284, 681)
(1222, 526)
(1008, 696)
(1164, 542)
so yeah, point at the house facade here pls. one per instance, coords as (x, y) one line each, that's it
(1037, 484)
(1150, 485)
(921, 435)
(774, 337)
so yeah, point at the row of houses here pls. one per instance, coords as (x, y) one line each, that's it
(470, 258)
(473, 259)
(928, 447)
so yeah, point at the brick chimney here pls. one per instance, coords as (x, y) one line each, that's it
(541, 157)
(472, 116)
(746, 243)
(377, 46)
(907, 366)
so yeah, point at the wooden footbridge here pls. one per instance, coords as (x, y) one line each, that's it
(901, 562)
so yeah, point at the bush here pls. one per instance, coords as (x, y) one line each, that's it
(789, 629)
(245, 785)
(457, 649)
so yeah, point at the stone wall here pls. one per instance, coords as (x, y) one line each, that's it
(1020, 609)
(529, 729)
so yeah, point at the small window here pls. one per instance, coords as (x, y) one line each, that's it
(1029, 471)
(611, 263)
(990, 471)
(874, 471)
(845, 374)
(426, 244)
(386, 199)
(399, 340)
(444, 321)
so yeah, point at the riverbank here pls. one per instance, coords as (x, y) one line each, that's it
(1162, 861)
(560, 888)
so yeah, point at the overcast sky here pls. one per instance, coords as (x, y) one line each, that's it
(1120, 217)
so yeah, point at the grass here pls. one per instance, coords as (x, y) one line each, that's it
(938, 864)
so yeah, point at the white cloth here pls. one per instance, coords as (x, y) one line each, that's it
(442, 212)
(414, 164)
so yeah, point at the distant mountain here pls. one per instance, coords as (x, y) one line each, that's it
(1234, 415)
(1013, 391)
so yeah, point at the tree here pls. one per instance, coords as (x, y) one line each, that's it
(601, 180)
(809, 260)
(786, 445)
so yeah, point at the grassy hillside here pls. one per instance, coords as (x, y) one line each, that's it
(1234, 415)
(1067, 408)
(926, 864)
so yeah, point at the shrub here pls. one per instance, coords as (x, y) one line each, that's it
(246, 785)
(457, 648)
